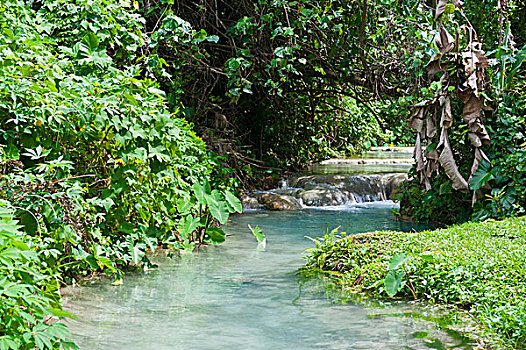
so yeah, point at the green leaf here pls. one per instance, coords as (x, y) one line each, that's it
(233, 202)
(126, 227)
(187, 225)
(42, 340)
(7, 343)
(397, 261)
(151, 242)
(260, 236)
(200, 191)
(136, 250)
(428, 257)
(393, 282)
(91, 42)
(29, 222)
(106, 262)
(481, 176)
(184, 204)
(16, 290)
(90, 259)
(217, 207)
(215, 235)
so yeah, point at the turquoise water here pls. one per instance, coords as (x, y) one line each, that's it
(237, 296)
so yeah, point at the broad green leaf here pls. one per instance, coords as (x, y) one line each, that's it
(233, 202)
(137, 252)
(260, 236)
(428, 257)
(42, 340)
(91, 41)
(15, 290)
(12, 253)
(481, 176)
(397, 261)
(90, 259)
(393, 282)
(184, 204)
(215, 235)
(218, 209)
(151, 242)
(58, 330)
(29, 222)
(199, 191)
(187, 225)
(8, 343)
(105, 262)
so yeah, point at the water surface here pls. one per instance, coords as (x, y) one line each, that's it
(237, 296)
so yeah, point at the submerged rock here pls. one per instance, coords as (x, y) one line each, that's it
(273, 201)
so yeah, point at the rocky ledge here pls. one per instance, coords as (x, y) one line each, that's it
(301, 191)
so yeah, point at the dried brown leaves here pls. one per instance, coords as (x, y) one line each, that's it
(424, 117)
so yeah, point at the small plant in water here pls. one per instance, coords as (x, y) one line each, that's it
(260, 236)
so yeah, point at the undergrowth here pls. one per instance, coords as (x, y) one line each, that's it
(476, 267)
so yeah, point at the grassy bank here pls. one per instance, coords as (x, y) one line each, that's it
(477, 267)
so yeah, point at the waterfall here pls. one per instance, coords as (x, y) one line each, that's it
(303, 191)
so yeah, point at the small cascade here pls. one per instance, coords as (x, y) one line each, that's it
(339, 182)
(304, 191)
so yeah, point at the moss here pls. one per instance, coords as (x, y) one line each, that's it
(477, 267)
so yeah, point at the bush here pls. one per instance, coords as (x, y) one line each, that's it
(97, 167)
(29, 299)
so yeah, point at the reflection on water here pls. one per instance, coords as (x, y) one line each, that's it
(377, 162)
(236, 296)
(357, 169)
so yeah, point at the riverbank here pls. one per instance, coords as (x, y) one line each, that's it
(476, 267)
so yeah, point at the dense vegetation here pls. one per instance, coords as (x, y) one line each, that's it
(478, 268)
(105, 108)
(283, 83)
(95, 167)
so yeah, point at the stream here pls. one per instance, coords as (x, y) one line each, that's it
(236, 296)
(241, 296)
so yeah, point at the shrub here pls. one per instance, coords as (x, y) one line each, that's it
(29, 300)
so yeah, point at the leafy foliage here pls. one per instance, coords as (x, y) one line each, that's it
(490, 99)
(92, 162)
(297, 81)
(478, 267)
(29, 299)
(95, 164)
(258, 234)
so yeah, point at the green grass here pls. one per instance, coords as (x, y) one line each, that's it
(477, 267)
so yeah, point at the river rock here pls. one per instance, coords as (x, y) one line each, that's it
(250, 202)
(273, 201)
(322, 196)
(392, 182)
(328, 190)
